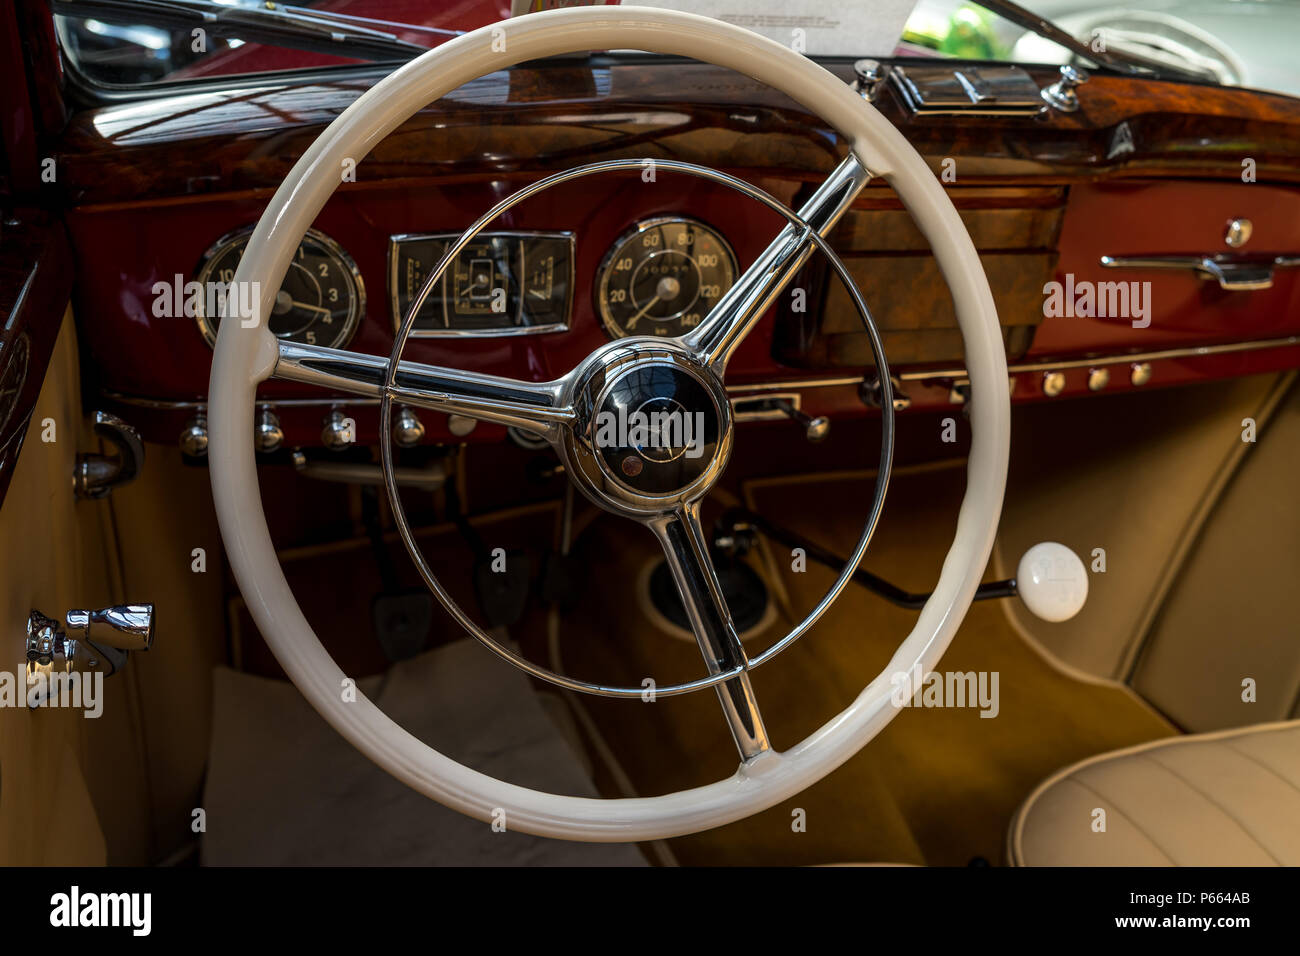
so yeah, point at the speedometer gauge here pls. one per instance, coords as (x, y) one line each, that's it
(320, 301)
(663, 277)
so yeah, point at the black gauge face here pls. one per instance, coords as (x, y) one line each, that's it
(663, 278)
(320, 301)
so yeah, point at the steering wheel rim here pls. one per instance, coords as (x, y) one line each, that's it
(247, 353)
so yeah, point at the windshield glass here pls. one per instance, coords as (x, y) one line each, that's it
(128, 43)
(124, 43)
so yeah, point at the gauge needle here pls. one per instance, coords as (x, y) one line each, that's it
(311, 308)
(284, 302)
(637, 318)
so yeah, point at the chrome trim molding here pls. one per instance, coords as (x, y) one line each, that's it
(767, 413)
(1232, 274)
(925, 375)
(842, 381)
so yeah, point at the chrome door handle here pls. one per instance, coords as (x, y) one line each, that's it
(126, 627)
(94, 640)
(1232, 273)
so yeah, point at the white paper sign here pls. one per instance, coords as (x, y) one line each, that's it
(814, 27)
(520, 7)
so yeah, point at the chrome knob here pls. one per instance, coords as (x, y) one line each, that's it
(461, 425)
(339, 432)
(814, 429)
(1061, 95)
(408, 430)
(267, 433)
(194, 439)
(867, 75)
(127, 627)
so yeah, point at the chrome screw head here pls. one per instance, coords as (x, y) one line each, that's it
(1238, 233)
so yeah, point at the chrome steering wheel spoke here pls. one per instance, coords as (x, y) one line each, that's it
(643, 426)
(533, 407)
(687, 552)
(715, 339)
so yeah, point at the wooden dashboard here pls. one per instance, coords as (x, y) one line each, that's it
(1144, 168)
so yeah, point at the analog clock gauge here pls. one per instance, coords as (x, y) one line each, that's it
(320, 301)
(663, 277)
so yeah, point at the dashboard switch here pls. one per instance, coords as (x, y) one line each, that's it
(268, 436)
(194, 439)
(461, 425)
(340, 431)
(408, 430)
(814, 429)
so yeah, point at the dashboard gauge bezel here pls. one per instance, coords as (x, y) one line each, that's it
(394, 247)
(602, 309)
(332, 249)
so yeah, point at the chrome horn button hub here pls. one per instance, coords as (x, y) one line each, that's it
(653, 428)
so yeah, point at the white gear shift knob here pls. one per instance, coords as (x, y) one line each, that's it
(1052, 581)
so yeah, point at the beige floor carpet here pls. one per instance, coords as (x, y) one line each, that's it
(938, 786)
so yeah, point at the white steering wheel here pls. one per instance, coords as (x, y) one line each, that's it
(664, 496)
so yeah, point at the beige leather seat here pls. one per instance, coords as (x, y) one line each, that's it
(1223, 799)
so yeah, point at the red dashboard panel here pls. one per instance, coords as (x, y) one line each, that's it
(149, 192)
(124, 251)
(1171, 218)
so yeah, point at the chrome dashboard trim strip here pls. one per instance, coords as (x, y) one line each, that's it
(924, 375)
(1200, 351)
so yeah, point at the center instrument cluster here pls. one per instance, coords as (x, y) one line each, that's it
(500, 283)
(660, 278)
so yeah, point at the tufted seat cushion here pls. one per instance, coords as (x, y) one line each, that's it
(1230, 798)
